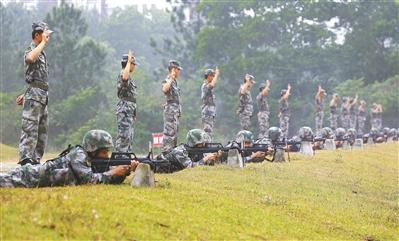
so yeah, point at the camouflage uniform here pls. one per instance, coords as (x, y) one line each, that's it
(263, 115)
(361, 120)
(208, 112)
(319, 114)
(125, 113)
(284, 117)
(171, 115)
(352, 117)
(333, 117)
(345, 117)
(34, 115)
(245, 110)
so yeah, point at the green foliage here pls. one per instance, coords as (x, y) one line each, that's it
(339, 195)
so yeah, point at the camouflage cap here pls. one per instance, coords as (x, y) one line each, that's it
(174, 64)
(244, 135)
(40, 26)
(250, 77)
(209, 72)
(94, 140)
(125, 59)
(305, 133)
(262, 86)
(283, 91)
(197, 136)
(274, 133)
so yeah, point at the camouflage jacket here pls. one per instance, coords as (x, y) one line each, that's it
(36, 71)
(284, 107)
(127, 90)
(172, 96)
(319, 103)
(245, 105)
(262, 102)
(208, 100)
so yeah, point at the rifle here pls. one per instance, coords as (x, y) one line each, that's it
(99, 165)
(208, 148)
(247, 151)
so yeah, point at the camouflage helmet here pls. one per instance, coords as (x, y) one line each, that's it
(386, 130)
(196, 136)
(351, 132)
(374, 132)
(95, 140)
(330, 133)
(274, 133)
(305, 133)
(322, 133)
(244, 135)
(209, 72)
(340, 132)
(392, 132)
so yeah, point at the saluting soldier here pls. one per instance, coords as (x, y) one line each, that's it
(319, 102)
(263, 108)
(245, 107)
(208, 112)
(284, 113)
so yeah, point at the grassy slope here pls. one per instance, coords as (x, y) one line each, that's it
(334, 195)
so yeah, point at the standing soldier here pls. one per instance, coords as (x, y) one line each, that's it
(345, 117)
(263, 106)
(361, 118)
(284, 113)
(34, 115)
(333, 111)
(172, 107)
(126, 107)
(208, 112)
(245, 108)
(319, 102)
(376, 116)
(352, 112)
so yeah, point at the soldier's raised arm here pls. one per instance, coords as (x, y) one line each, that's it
(32, 56)
(265, 91)
(287, 94)
(126, 70)
(215, 79)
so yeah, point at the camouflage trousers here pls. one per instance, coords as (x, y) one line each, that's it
(126, 119)
(319, 120)
(345, 119)
(23, 176)
(333, 120)
(284, 125)
(376, 123)
(352, 121)
(34, 130)
(263, 121)
(245, 121)
(208, 122)
(361, 121)
(171, 117)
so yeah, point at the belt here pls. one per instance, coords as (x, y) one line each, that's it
(39, 84)
(172, 102)
(131, 99)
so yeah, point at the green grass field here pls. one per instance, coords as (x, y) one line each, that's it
(340, 195)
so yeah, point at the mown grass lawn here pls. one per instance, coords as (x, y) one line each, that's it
(340, 195)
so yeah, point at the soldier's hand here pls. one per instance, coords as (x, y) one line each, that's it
(237, 112)
(129, 56)
(258, 154)
(268, 82)
(20, 100)
(217, 71)
(45, 36)
(120, 171)
(289, 86)
(133, 165)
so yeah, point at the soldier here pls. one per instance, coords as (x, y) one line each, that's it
(245, 108)
(34, 115)
(178, 158)
(208, 112)
(352, 113)
(376, 114)
(345, 117)
(126, 107)
(333, 111)
(172, 107)
(361, 117)
(72, 167)
(263, 107)
(319, 102)
(284, 113)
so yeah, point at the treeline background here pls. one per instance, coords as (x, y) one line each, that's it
(348, 48)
